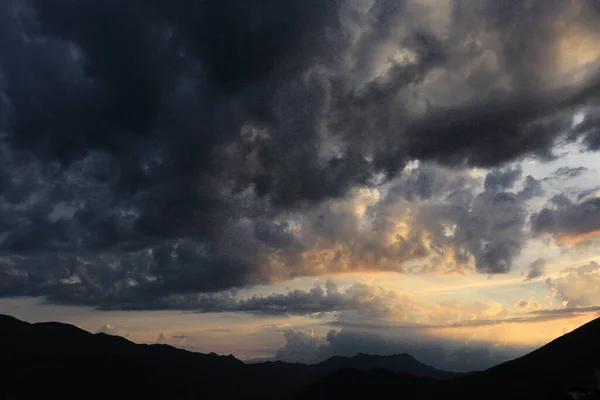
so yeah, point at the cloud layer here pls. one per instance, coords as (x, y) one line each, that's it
(152, 149)
(567, 221)
(578, 287)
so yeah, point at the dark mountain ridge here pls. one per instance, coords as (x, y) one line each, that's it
(567, 363)
(398, 363)
(47, 360)
(566, 368)
(66, 360)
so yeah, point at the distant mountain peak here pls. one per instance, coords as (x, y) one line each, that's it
(399, 363)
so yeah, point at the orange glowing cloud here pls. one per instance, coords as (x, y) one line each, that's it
(569, 239)
(576, 48)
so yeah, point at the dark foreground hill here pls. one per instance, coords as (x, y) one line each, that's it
(52, 360)
(570, 363)
(59, 360)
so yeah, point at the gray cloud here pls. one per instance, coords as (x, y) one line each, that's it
(582, 194)
(167, 164)
(366, 300)
(570, 172)
(302, 347)
(488, 226)
(537, 269)
(531, 189)
(522, 303)
(568, 221)
(500, 180)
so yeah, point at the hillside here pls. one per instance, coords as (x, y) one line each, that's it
(566, 364)
(58, 360)
(67, 361)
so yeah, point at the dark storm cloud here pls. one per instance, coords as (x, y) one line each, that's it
(568, 221)
(532, 188)
(154, 148)
(486, 134)
(499, 180)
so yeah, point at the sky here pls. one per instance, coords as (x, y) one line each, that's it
(298, 179)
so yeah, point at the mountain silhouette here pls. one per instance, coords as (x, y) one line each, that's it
(54, 360)
(398, 363)
(570, 363)
(48, 360)
(45, 359)
(566, 368)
